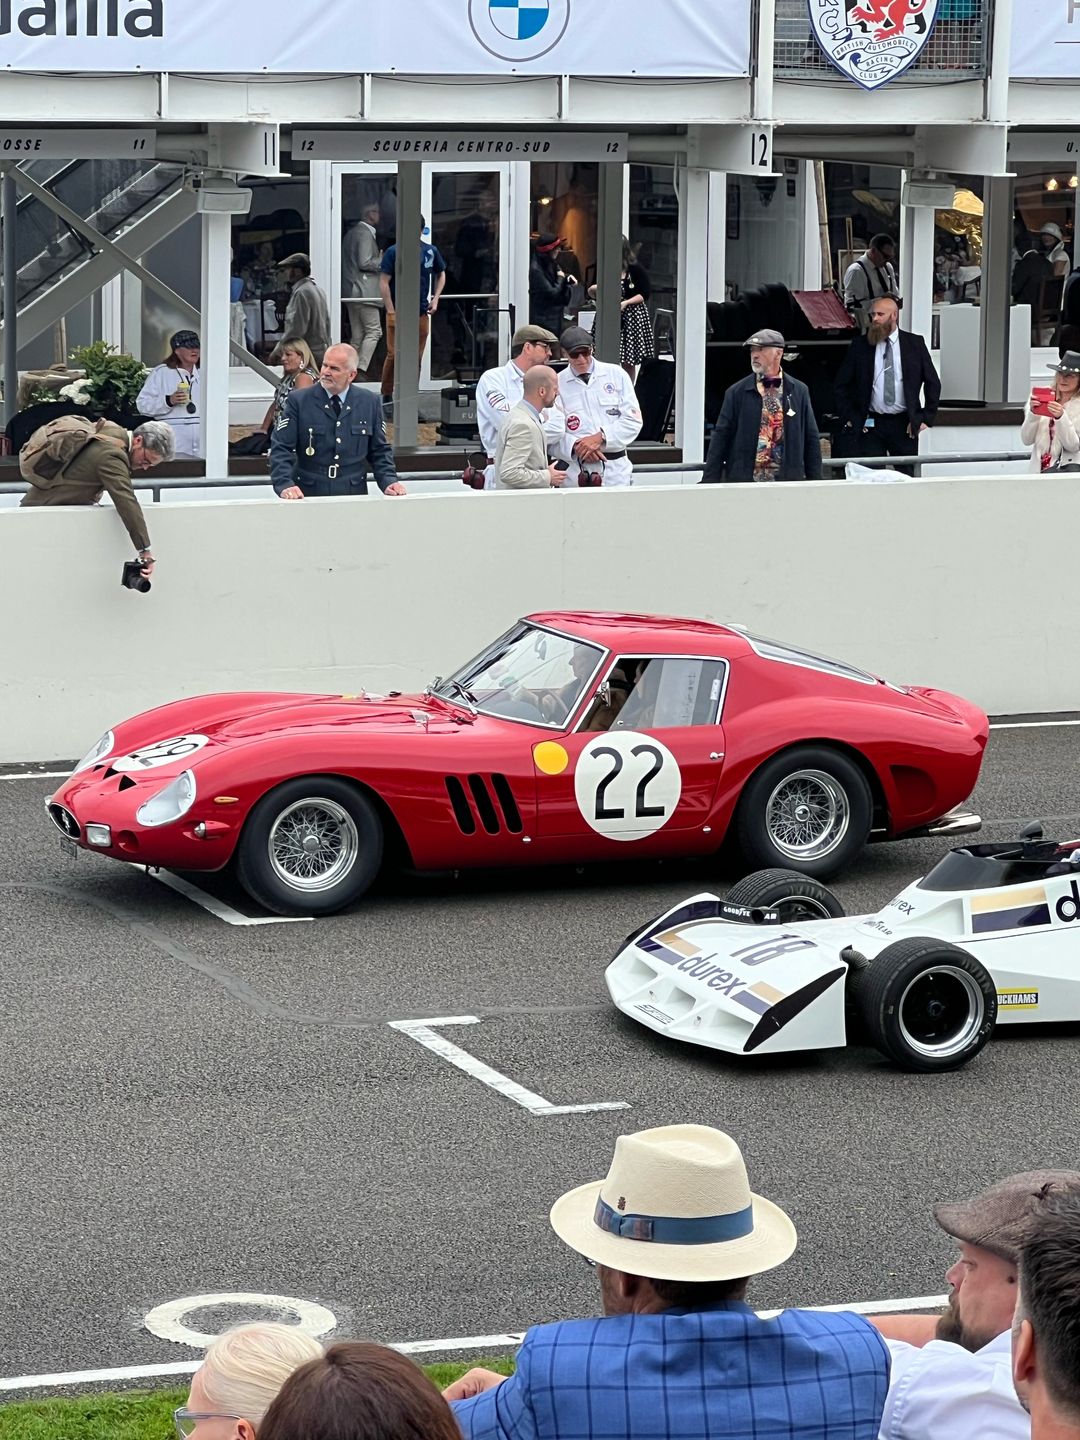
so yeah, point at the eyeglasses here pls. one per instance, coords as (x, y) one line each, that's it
(186, 1420)
(577, 354)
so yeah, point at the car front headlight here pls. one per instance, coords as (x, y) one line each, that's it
(169, 804)
(96, 752)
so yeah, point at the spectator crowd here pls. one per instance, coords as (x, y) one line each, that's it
(676, 1237)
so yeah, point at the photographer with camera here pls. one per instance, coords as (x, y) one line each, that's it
(72, 461)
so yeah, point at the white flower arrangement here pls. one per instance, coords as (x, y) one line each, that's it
(78, 390)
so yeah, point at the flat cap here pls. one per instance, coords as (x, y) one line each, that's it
(298, 258)
(574, 337)
(998, 1220)
(766, 337)
(533, 335)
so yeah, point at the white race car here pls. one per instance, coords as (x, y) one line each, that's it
(989, 936)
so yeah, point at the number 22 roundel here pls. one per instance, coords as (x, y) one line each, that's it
(627, 785)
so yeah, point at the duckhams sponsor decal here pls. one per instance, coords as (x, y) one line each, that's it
(1017, 999)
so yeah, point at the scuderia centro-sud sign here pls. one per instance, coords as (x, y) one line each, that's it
(872, 41)
(421, 37)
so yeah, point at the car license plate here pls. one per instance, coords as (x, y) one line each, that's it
(68, 849)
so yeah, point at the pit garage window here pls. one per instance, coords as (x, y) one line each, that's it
(529, 674)
(658, 693)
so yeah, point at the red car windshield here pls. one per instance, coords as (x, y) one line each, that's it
(529, 674)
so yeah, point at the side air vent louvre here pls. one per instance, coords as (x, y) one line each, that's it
(493, 801)
(508, 804)
(484, 808)
(462, 811)
(126, 783)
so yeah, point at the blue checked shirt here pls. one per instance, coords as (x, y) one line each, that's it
(719, 1373)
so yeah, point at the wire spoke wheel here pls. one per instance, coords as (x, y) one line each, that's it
(940, 1012)
(807, 815)
(313, 844)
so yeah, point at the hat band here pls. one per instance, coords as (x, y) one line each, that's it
(674, 1230)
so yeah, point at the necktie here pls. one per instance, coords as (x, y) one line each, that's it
(586, 378)
(890, 375)
(335, 404)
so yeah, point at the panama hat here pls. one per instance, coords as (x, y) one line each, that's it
(676, 1205)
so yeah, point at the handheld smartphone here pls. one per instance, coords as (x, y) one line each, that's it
(562, 464)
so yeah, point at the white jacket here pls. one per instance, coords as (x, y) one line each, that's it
(1065, 447)
(153, 401)
(497, 392)
(608, 403)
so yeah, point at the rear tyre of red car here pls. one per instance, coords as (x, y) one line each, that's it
(925, 1004)
(808, 809)
(787, 895)
(310, 847)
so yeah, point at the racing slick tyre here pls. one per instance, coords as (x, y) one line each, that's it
(807, 809)
(310, 847)
(787, 895)
(925, 1004)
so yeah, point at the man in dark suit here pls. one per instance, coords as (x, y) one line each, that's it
(887, 391)
(766, 428)
(329, 433)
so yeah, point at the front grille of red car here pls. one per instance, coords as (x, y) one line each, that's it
(65, 822)
(493, 800)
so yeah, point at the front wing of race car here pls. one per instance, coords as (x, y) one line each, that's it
(709, 973)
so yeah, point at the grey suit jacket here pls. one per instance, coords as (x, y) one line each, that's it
(521, 461)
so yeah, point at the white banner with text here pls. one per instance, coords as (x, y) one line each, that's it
(421, 37)
(1046, 40)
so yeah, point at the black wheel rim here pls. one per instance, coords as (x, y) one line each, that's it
(941, 1012)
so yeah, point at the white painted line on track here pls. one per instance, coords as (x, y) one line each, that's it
(39, 775)
(422, 1032)
(218, 907)
(1033, 724)
(413, 1347)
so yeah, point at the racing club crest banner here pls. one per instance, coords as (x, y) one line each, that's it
(872, 41)
(420, 37)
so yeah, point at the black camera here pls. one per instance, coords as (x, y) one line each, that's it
(132, 577)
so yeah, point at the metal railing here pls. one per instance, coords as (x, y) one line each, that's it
(246, 482)
(956, 50)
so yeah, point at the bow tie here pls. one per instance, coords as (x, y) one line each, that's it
(772, 382)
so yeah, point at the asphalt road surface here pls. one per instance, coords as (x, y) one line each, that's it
(188, 1106)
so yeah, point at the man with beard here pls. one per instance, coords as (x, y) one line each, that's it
(887, 391)
(1046, 1327)
(766, 428)
(951, 1374)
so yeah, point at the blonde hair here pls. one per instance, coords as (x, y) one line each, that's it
(301, 348)
(245, 1367)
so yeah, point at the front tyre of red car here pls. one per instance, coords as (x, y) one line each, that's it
(310, 847)
(807, 809)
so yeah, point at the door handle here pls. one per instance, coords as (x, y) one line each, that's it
(716, 754)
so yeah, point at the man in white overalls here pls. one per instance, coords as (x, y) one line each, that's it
(602, 414)
(499, 390)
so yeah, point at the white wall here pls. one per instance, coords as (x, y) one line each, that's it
(336, 594)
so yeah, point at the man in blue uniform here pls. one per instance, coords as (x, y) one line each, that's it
(329, 433)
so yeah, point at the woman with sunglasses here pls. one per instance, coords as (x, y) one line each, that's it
(238, 1380)
(172, 392)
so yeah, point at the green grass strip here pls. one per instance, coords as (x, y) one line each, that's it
(144, 1415)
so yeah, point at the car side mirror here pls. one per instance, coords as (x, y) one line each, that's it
(1034, 831)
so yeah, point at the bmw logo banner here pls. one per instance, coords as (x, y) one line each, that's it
(420, 37)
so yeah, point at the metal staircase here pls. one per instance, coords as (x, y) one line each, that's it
(135, 204)
(110, 194)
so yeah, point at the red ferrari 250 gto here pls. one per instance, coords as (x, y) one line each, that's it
(575, 737)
